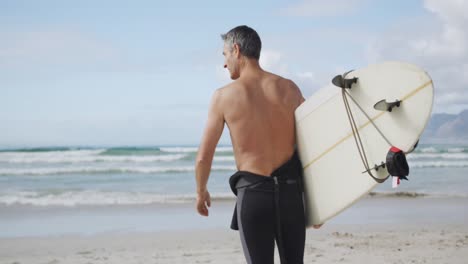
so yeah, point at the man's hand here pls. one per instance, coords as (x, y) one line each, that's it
(203, 202)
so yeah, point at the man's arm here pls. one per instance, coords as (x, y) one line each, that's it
(213, 130)
(299, 99)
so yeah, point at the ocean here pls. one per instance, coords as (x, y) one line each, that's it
(71, 176)
(55, 191)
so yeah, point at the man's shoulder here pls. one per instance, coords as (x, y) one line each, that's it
(228, 88)
(286, 87)
(222, 93)
(278, 79)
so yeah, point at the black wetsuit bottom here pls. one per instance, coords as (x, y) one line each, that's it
(270, 208)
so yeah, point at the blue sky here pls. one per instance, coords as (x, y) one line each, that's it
(142, 72)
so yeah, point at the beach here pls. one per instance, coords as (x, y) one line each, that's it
(374, 230)
(136, 205)
(110, 110)
(344, 244)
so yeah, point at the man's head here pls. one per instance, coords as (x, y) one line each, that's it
(239, 43)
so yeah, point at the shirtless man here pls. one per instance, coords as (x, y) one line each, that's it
(258, 107)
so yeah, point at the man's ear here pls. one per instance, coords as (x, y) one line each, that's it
(236, 50)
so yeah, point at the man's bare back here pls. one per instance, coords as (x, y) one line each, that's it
(259, 110)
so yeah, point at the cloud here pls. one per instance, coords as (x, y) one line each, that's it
(51, 48)
(277, 63)
(307, 75)
(439, 44)
(453, 38)
(273, 61)
(69, 49)
(320, 8)
(452, 11)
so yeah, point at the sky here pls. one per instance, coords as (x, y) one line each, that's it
(126, 73)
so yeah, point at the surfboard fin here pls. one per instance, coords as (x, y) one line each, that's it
(343, 82)
(383, 105)
(376, 167)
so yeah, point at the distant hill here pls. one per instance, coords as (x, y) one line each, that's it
(447, 128)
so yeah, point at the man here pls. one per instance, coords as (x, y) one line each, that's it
(258, 107)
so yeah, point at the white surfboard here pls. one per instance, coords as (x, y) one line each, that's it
(333, 168)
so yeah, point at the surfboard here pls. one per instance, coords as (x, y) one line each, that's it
(335, 176)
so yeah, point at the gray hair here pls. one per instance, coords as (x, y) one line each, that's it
(247, 38)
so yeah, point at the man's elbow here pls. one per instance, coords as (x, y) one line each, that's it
(202, 162)
(199, 161)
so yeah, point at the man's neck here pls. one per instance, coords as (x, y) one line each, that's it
(249, 67)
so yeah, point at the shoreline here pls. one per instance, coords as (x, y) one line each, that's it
(51, 221)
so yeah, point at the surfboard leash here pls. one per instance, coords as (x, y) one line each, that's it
(370, 119)
(357, 138)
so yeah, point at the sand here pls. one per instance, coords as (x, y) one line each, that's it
(375, 230)
(330, 244)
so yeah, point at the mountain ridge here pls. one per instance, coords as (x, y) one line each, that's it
(447, 128)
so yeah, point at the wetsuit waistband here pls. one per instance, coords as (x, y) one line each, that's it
(288, 173)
